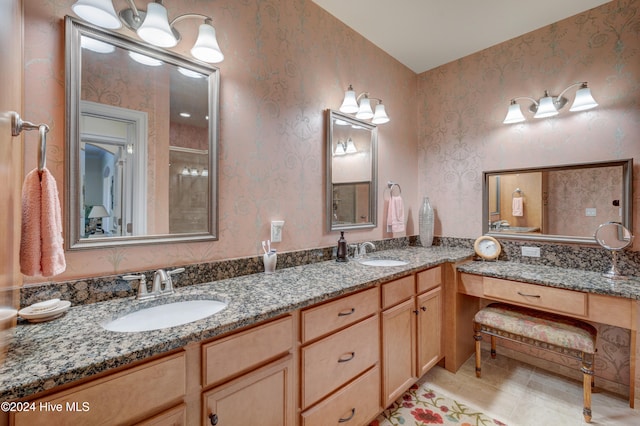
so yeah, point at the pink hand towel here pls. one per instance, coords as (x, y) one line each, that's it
(517, 206)
(41, 246)
(395, 214)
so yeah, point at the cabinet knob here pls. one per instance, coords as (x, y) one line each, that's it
(424, 308)
(214, 419)
(346, 419)
(416, 312)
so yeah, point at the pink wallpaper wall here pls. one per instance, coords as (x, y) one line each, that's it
(462, 105)
(286, 61)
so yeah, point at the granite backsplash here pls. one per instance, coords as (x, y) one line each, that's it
(98, 289)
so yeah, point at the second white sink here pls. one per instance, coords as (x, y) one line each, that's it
(165, 316)
(383, 262)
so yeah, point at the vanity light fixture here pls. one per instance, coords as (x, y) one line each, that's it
(548, 105)
(351, 147)
(151, 25)
(340, 150)
(361, 106)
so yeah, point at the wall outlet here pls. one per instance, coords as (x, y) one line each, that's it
(276, 230)
(530, 251)
(590, 211)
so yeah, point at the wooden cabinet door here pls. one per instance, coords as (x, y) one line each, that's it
(398, 350)
(429, 338)
(263, 397)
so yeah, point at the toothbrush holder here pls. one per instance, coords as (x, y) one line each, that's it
(270, 259)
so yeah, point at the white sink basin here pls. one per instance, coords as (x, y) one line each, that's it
(165, 316)
(383, 262)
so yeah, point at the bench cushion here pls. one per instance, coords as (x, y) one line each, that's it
(544, 327)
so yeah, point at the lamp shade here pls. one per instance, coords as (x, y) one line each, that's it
(583, 100)
(514, 115)
(546, 108)
(365, 112)
(351, 147)
(380, 116)
(155, 28)
(96, 45)
(98, 211)
(349, 104)
(339, 149)
(206, 48)
(97, 12)
(144, 59)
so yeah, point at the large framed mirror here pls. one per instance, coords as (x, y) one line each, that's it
(565, 203)
(352, 172)
(142, 137)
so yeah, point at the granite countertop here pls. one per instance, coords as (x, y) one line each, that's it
(572, 279)
(41, 356)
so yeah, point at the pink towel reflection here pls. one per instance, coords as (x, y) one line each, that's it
(41, 245)
(517, 206)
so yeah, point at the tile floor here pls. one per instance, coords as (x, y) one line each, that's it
(523, 395)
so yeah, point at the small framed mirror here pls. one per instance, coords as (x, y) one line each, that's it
(142, 137)
(352, 172)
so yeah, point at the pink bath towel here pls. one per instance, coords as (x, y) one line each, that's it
(517, 206)
(395, 215)
(41, 245)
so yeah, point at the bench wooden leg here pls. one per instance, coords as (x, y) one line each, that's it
(587, 374)
(477, 336)
(493, 347)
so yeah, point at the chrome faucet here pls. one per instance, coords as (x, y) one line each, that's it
(362, 250)
(162, 283)
(498, 224)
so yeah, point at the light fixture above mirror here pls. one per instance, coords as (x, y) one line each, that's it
(151, 25)
(549, 105)
(361, 106)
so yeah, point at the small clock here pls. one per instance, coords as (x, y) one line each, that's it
(487, 248)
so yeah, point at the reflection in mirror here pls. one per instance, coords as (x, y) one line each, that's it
(558, 203)
(142, 126)
(351, 172)
(613, 237)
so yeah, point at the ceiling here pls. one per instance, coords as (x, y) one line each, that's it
(424, 34)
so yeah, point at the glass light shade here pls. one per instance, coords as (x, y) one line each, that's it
(365, 112)
(144, 59)
(546, 108)
(351, 147)
(514, 115)
(155, 27)
(189, 73)
(339, 149)
(380, 116)
(96, 45)
(97, 12)
(206, 48)
(349, 104)
(583, 100)
(185, 171)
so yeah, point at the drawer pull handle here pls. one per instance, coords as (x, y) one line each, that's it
(344, 314)
(344, 420)
(347, 359)
(213, 418)
(529, 295)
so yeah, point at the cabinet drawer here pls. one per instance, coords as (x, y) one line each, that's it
(123, 397)
(471, 284)
(396, 291)
(355, 404)
(429, 279)
(240, 352)
(176, 416)
(320, 320)
(611, 310)
(537, 296)
(334, 360)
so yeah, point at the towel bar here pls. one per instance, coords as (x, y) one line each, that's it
(18, 125)
(391, 184)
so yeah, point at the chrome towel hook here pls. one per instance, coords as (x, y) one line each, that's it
(18, 125)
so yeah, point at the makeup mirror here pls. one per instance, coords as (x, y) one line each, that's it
(142, 137)
(613, 237)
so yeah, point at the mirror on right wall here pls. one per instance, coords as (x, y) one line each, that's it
(564, 203)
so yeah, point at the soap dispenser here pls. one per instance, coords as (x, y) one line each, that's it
(341, 255)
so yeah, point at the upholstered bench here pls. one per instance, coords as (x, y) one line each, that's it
(544, 330)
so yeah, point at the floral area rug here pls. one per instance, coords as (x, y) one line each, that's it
(423, 406)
